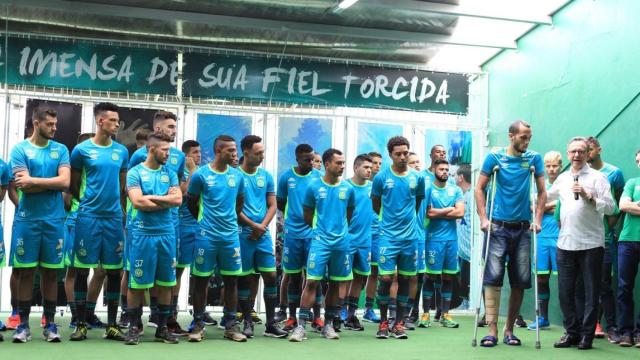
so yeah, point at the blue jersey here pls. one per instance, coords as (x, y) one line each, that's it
(360, 226)
(550, 227)
(330, 219)
(292, 188)
(512, 202)
(152, 182)
(423, 220)
(39, 162)
(614, 175)
(448, 196)
(256, 188)
(398, 194)
(218, 192)
(186, 219)
(100, 168)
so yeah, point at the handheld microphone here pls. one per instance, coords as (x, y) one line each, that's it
(576, 196)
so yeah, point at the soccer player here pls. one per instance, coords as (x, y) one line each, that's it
(153, 190)
(359, 237)
(215, 198)
(510, 235)
(372, 281)
(98, 171)
(399, 190)
(317, 161)
(547, 242)
(328, 206)
(40, 168)
(256, 246)
(4, 183)
(446, 204)
(292, 186)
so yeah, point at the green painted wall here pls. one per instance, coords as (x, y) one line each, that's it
(579, 77)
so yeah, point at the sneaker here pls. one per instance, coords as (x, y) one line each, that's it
(72, 323)
(273, 330)
(280, 316)
(50, 333)
(113, 332)
(197, 333)
(626, 341)
(520, 322)
(599, 334)
(398, 331)
(371, 316)
(298, 334)
(383, 330)
(482, 322)
(234, 333)
(208, 320)
(175, 328)
(13, 322)
(3, 327)
(542, 323)
(337, 324)
(123, 323)
(409, 324)
(43, 322)
(352, 323)
(255, 318)
(22, 334)
(317, 325)
(613, 337)
(290, 324)
(133, 336)
(343, 314)
(329, 332)
(447, 321)
(79, 333)
(163, 334)
(425, 321)
(153, 321)
(93, 322)
(247, 329)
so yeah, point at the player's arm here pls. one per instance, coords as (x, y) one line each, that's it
(123, 190)
(27, 184)
(307, 214)
(441, 213)
(550, 207)
(142, 202)
(281, 203)
(3, 192)
(481, 205)
(13, 193)
(457, 212)
(628, 206)
(271, 209)
(376, 203)
(191, 167)
(171, 200)
(239, 204)
(74, 186)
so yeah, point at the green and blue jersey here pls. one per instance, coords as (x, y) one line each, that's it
(360, 226)
(442, 197)
(256, 188)
(292, 188)
(330, 218)
(152, 182)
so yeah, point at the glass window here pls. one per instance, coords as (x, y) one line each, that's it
(211, 126)
(293, 131)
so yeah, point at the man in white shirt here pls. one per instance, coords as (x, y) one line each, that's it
(585, 197)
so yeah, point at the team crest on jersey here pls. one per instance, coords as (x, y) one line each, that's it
(174, 161)
(82, 252)
(54, 155)
(115, 156)
(412, 183)
(164, 178)
(20, 251)
(260, 182)
(138, 272)
(342, 194)
(382, 259)
(451, 191)
(199, 260)
(524, 164)
(231, 182)
(312, 264)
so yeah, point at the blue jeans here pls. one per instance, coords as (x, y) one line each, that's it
(628, 260)
(512, 246)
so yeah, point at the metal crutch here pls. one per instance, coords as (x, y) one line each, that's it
(534, 235)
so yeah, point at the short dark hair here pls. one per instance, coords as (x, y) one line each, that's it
(303, 149)
(142, 134)
(465, 171)
(84, 136)
(361, 158)
(433, 148)
(440, 162)
(188, 145)
(99, 108)
(396, 141)
(593, 141)
(163, 115)
(411, 153)
(515, 126)
(373, 154)
(222, 138)
(41, 112)
(157, 137)
(247, 142)
(328, 154)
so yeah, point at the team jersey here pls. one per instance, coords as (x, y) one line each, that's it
(330, 217)
(4, 178)
(423, 220)
(100, 168)
(512, 202)
(186, 219)
(218, 192)
(631, 227)
(442, 197)
(152, 182)
(256, 188)
(398, 195)
(292, 188)
(375, 221)
(360, 226)
(39, 162)
(550, 227)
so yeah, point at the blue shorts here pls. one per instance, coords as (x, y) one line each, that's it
(1, 246)
(294, 254)
(360, 259)
(37, 243)
(186, 245)
(512, 244)
(257, 255)
(323, 260)
(98, 241)
(375, 249)
(422, 257)
(69, 234)
(442, 257)
(128, 233)
(402, 254)
(216, 254)
(153, 261)
(547, 250)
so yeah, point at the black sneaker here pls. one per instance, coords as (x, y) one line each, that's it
(113, 332)
(613, 337)
(133, 336)
(255, 318)
(280, 316)
(123, 323)
(520, 322)
(94, 322)
(274, 331)
(79, 333)
(398, 331)
(352, 323)
(409, 324)
(247, 329)
(383, 330)
(164, 335)
(208, 320)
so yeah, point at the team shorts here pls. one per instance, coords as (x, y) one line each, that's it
(69, 234)
(325, 261)
(1, 247)
(186, 245)
(128, 234)
(257, 255)
(360, 259)
(37, 243)
(212, 253)
(153, 261)
(400, 254)
(442, 257)
(422, 259)
(375, 249)
(98, 241)
(294, 254)
(511, 244)
(547, 256)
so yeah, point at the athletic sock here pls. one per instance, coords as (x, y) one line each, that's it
(174, 306)
(243, 301)
(91, 309)
(304, 316)
(163, 314)
(153, 305)
(544, 293)
(229, 317)
(317, 306)
(49, 311)
(330, 313)
(24, 309)
(80, 296)
(393, 306)
(352, 303)
(427, 295)
(123, 304)
(402, 300)
(270, 295)
(72, 307)
(14, 305)
(416, 299)
(383, 298)
(437, 291)
(133, 313)
(293, 296)
(447, 288)
(113, 296)
(368, 303)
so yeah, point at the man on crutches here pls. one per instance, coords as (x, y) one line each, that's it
(508, 230)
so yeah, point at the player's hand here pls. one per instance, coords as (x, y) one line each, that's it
(23, 181)
(258, 231)
(190, 164)
(535, 227)
(484, 224)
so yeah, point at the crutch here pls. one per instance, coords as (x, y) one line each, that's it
(483, 260)
(534, 235)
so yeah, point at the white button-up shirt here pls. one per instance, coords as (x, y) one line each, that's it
(581, 222)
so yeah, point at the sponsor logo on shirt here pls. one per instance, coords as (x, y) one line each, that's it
(524, 164)
(30, 153)
(389, 184)
(291, 182)
(322, 193)
(412, 183)
(93, 154)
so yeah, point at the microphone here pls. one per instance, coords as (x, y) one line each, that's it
(576, 196)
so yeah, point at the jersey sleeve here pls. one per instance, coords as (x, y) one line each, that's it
(556, 213)
(133, 180)
(18, 160)
(76, 158)
(282, 187)
(376, 187)
(629, 188)
(617, 181)
(538, 165)
(136, 159)
(309, 198)
(270, 184)
(195, 185)
(64, 158)
(488, 164)
(173, 179)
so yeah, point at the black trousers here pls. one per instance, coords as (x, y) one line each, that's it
(572, 265)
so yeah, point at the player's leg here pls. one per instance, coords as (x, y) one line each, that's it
(361, 270)
(165, 281)
(230, 264)
(203, 267)
(372, 282)
(142, 268)
(519, 269)
(388, 257)
(298, 333)
(265, 264)
(51, 260)
(450, 271)
(494, 275)
(543, 273)
(96, 283)
(294, 258)
(281, 315)
(247, 254)
(14, 318)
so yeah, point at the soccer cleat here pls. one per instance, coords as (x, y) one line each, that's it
(153, 321)
(329, 332)
(22, 334)
(233, 333)
(79, 333)
(93, 322)
(599, 332)
(123, 323)
(164, 335)
(197, 333)
(13, 322)
(281, 315)
(343, 314)
(272, 330)
(447, 321)
(425, 321)
(371, 316)
(50, 333)
(352, 323)
(208, 320)
(175, 328)
(255, 318)
(290, 324)
(298, 334)
(542, 322)
(317, 325)
(133, 336)
(383, 330)
(247, 329)
(520, 322)
(113, 332)
(409, 323)
(398, 331)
